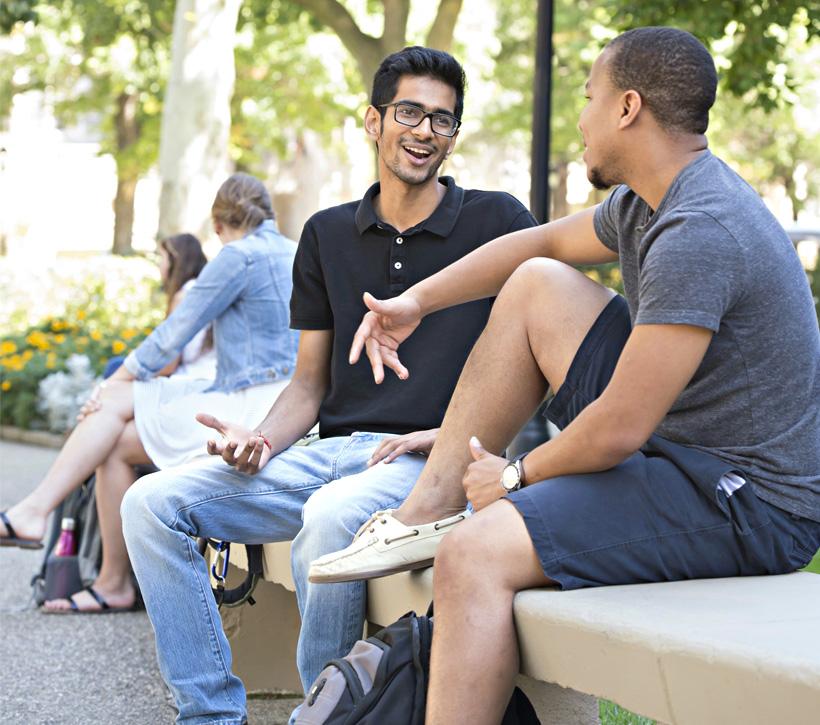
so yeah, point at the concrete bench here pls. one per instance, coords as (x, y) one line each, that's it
(703, 652)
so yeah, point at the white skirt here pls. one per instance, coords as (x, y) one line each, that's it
(164, 410)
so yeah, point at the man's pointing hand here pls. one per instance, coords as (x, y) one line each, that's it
(387, 324)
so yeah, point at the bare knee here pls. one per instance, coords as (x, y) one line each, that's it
(465, 553)
(491, 550)
(118, 397)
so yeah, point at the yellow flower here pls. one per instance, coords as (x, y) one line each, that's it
(6, 385)
(15, 362)
(117, 346)
(80, 314)
(51, 361)
(57, 325)
(126, 334)
(27, 355)
(39, 340)
(59, 339)
(147, 331)
(82, 341)
(96, 335)
(7, 347)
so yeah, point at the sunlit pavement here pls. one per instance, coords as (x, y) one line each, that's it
(76, 669)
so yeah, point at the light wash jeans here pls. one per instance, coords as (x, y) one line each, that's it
(318, 495)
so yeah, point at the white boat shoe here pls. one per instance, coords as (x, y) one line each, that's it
(383, 545)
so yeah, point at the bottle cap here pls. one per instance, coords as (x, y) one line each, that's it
(67, 524)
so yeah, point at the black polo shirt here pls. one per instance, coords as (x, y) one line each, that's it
(346, 251)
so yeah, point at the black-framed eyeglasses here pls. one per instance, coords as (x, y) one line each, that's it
(444, 124)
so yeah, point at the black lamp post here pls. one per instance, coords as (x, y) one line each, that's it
(542, 98)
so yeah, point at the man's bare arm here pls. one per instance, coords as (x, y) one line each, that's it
(296, 410)
(483, 272)
(655, 366)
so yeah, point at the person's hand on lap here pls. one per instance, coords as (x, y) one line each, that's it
(240, 447)
(420, 441)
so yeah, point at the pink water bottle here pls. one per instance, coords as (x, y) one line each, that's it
(67, 543)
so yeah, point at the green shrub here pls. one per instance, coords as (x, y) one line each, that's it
(100, 308)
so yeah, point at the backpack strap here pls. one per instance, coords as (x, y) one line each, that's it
(243, 592)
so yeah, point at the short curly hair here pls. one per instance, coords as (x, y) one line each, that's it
(671, 70)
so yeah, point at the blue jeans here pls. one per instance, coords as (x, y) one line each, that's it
(318, 495)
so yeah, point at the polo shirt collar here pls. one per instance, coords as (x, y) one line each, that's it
(441, 222)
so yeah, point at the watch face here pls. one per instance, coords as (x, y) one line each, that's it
(509, 477)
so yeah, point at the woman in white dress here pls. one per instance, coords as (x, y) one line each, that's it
(141, 417)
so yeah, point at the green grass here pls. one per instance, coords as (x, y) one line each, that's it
(612, 714)
(814, 564)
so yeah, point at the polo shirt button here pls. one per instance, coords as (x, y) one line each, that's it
(399, 240)
(397, 265)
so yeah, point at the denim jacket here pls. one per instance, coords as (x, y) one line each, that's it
(245, 291)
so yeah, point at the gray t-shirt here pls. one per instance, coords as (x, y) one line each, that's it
(713, 256)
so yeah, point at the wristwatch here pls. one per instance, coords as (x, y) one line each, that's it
(512, 477)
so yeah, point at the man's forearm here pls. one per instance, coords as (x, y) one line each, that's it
(592, 442)
(294, 413)
(483, 272)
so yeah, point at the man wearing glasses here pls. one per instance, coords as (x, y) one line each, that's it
(407, 227)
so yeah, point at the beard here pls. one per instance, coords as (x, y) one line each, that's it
(606, 174)
(597, 179)
(415, 176)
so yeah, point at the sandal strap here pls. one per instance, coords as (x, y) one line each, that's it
(12, 534)
(97, 597)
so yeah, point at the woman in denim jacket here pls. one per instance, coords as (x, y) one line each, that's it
(140, 418)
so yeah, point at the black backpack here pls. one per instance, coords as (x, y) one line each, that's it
(383, 681)
(62, 577)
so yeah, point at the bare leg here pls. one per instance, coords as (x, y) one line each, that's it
(486, 559)
(537, 324)
(87, 447)
(114, 476)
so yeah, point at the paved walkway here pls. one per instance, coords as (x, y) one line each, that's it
(76, 669)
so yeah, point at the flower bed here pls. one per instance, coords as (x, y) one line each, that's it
(77, 310)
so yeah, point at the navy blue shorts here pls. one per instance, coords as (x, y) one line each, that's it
(658, 516)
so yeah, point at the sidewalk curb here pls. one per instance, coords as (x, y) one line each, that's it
(32, 437)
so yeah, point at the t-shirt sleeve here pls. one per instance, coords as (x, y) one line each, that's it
(692, 274)
(606, 216)
(309, 304)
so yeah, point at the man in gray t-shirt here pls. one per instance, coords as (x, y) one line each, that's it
(690, 411)
(712, 256)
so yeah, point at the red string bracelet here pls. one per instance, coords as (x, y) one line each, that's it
(265, 440)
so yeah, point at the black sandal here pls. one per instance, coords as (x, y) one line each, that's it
(13, 540)
(105, 607)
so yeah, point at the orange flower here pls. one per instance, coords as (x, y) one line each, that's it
(6, 385)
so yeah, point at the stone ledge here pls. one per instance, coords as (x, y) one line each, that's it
(31, 437)
(700, 652)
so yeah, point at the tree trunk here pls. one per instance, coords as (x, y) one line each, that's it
(791, 192)
(196, 117)
(128, 132)
(560, 208)
(124, 215)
